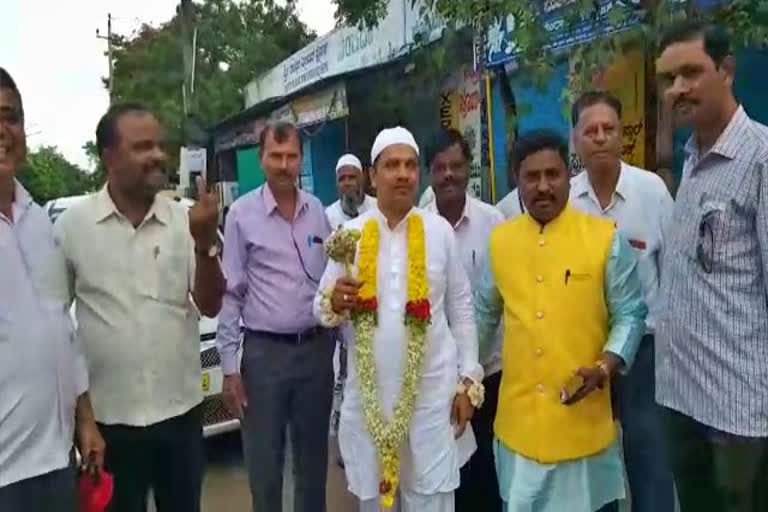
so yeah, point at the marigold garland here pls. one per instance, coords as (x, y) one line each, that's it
(388, 436)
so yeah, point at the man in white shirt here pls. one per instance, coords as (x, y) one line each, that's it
(352, 199)
(136, 262)
(641, 205)
(44, 399)
(511, 205)
(407, 259)
(472, 220)
(352, 202)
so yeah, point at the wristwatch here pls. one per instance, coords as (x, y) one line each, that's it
(211, 252)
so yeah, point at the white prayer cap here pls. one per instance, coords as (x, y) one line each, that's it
(348, 160)
(391, 137)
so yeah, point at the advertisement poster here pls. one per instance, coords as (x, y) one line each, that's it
(461, 103)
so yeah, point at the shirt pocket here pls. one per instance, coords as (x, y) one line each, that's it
(577, 283)
(172, 270)
(718, 234)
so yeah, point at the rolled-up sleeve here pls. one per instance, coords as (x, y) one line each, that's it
(235, 260)
(624, 297)
(489, 307)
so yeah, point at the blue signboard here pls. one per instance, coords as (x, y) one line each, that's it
(501, 46)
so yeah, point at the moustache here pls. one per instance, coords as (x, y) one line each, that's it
(450, 182)
(684, 101)
(155, 167)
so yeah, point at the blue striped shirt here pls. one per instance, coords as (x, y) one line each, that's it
(712, 337)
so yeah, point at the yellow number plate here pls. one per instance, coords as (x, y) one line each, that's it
(206, 382)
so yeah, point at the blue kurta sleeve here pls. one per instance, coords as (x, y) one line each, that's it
(624, 297)
(489, 307)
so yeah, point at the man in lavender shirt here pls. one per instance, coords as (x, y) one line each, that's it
(273, 260)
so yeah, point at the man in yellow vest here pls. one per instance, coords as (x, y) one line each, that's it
(569, 290)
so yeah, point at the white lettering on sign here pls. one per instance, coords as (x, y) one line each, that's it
(306, 68)
(355, 43)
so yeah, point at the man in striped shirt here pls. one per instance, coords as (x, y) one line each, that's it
(712, 355)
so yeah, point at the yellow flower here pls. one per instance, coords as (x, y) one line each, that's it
(417, 271)
(367, 259)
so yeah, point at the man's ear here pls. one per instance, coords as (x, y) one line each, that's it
(107, 157)
(728, 67)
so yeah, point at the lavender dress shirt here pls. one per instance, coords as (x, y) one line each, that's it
(273, 267)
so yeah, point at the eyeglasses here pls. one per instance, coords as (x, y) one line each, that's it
(705, 252)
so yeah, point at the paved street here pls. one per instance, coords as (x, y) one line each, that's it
(226, 483)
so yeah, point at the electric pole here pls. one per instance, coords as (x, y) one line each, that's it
(109, 55)
(188, 42)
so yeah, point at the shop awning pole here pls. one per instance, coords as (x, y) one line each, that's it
(489, 116)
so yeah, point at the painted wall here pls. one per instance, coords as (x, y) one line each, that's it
(541, 108)
(250, 175)
(327, 145)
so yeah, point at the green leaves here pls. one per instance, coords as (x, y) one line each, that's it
(48, 175)
(248, 37)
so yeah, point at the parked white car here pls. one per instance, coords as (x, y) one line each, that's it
(216, 418)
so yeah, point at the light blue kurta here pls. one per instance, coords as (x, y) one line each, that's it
(586, 484)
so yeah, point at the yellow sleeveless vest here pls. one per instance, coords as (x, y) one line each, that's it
(556, 321)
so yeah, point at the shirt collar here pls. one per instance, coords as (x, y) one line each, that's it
(22, 200)
(270, 203)
(466, 214)
(554, 223)
(583, 187)
(383, 219)
(728, 141)
(105, 208)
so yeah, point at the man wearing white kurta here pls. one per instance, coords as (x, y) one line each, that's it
(429, 471)
(352, 201)
(448, 158)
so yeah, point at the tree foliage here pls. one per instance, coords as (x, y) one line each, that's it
(236, 41)
(49, 175)
(746, 19)
(99, 174)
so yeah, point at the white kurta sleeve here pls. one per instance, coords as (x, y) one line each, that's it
(460, 313)
(333, 271)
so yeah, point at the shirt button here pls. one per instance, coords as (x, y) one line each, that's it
(540, 388)
(539, 352)
(542, 243)
(539, 279)
(540, 315)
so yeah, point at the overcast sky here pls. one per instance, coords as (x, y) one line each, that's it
(50, 48)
